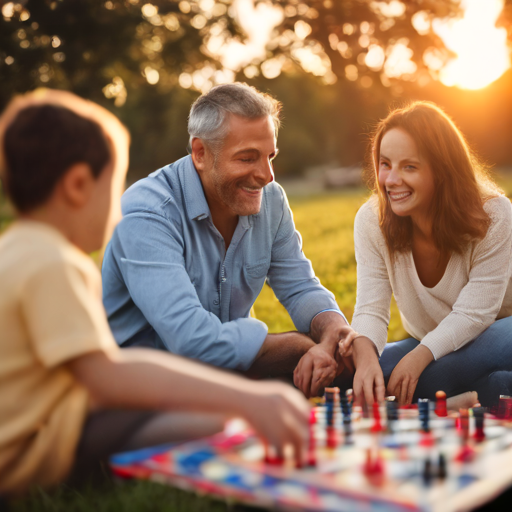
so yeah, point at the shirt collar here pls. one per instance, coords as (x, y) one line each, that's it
(197, 206)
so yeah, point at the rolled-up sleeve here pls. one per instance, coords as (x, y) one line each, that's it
(291, 274)
(153, 269)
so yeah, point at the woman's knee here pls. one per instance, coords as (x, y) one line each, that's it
(499, 334)
(393, 353)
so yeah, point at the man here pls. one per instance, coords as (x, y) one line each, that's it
(199, 238)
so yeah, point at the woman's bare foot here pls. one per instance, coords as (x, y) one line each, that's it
(462, 401)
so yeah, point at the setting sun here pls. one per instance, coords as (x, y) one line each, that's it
(481, 48)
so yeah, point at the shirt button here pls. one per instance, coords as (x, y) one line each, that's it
(216, 302)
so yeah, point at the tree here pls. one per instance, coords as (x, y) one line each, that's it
(147, 60)
(116, 47)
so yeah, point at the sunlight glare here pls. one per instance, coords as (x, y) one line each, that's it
(481, 48)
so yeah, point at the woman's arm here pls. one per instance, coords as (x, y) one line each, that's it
(371, 314)
(474, 310)
(372, 309)
(479, 302)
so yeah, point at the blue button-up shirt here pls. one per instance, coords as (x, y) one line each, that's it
(168, 281)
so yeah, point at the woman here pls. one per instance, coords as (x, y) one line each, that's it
(437, 233)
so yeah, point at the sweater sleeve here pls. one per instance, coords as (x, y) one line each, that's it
(480, 300)
(372, 310)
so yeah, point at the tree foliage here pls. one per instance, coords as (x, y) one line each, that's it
(115, 47)
(147, 60)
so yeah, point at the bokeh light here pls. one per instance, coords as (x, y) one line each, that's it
(481, 48)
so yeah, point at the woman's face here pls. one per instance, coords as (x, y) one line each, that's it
(404, 175)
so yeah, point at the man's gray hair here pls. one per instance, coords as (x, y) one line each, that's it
(208, 118)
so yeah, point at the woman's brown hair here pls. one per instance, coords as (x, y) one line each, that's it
(461, 183)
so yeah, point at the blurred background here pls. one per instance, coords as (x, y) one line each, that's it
(337, 66)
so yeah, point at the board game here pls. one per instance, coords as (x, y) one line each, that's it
(388, 459)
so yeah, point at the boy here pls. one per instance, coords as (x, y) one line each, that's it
(68, 396)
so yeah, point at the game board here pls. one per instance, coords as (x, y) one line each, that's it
(374, 464)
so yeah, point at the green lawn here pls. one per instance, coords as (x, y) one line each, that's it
(325, 223)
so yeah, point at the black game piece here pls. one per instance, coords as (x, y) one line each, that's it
(441, 472)
(427, 471)
(424, 413)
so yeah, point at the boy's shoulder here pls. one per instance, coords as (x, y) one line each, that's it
(27, 248)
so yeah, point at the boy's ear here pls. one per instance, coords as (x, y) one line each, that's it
(77, 185)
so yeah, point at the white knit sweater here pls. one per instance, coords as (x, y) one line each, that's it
(475, 290)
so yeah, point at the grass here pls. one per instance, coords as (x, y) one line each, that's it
(326, 225)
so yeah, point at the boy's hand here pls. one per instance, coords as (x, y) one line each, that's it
(280, 414)
(405, 376)
(368, 379)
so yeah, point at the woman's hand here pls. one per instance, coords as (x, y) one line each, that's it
(345, 344)
(368, 379)
(407, 372)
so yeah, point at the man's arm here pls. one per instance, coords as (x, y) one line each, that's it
(147, 379)
(311, 306)
(280, 354)
(148, 250)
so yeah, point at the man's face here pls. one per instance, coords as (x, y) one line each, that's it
(234, 177)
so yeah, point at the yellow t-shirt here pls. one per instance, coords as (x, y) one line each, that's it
(50, 313)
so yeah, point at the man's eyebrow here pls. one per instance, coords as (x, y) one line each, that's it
(253, 150)
(246, 150)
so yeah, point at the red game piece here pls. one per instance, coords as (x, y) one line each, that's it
(441, 404)
(466, 453)
(479, 415)
(427, 439)
(332, 437)
(377, 426)
(374, 468)
(311, 459)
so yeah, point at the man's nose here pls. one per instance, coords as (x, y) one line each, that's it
(265, 172)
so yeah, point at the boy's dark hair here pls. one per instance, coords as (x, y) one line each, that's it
(41, 144)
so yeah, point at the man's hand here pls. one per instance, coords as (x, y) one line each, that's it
(368, 380)
(407, 372)
(321, 364)
(316, 369)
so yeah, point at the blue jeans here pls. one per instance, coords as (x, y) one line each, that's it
(483, 365)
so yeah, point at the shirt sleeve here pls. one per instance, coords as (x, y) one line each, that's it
(479, 302)
(153, 269)
(291, 275)
(63, 312)
(372, 310)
